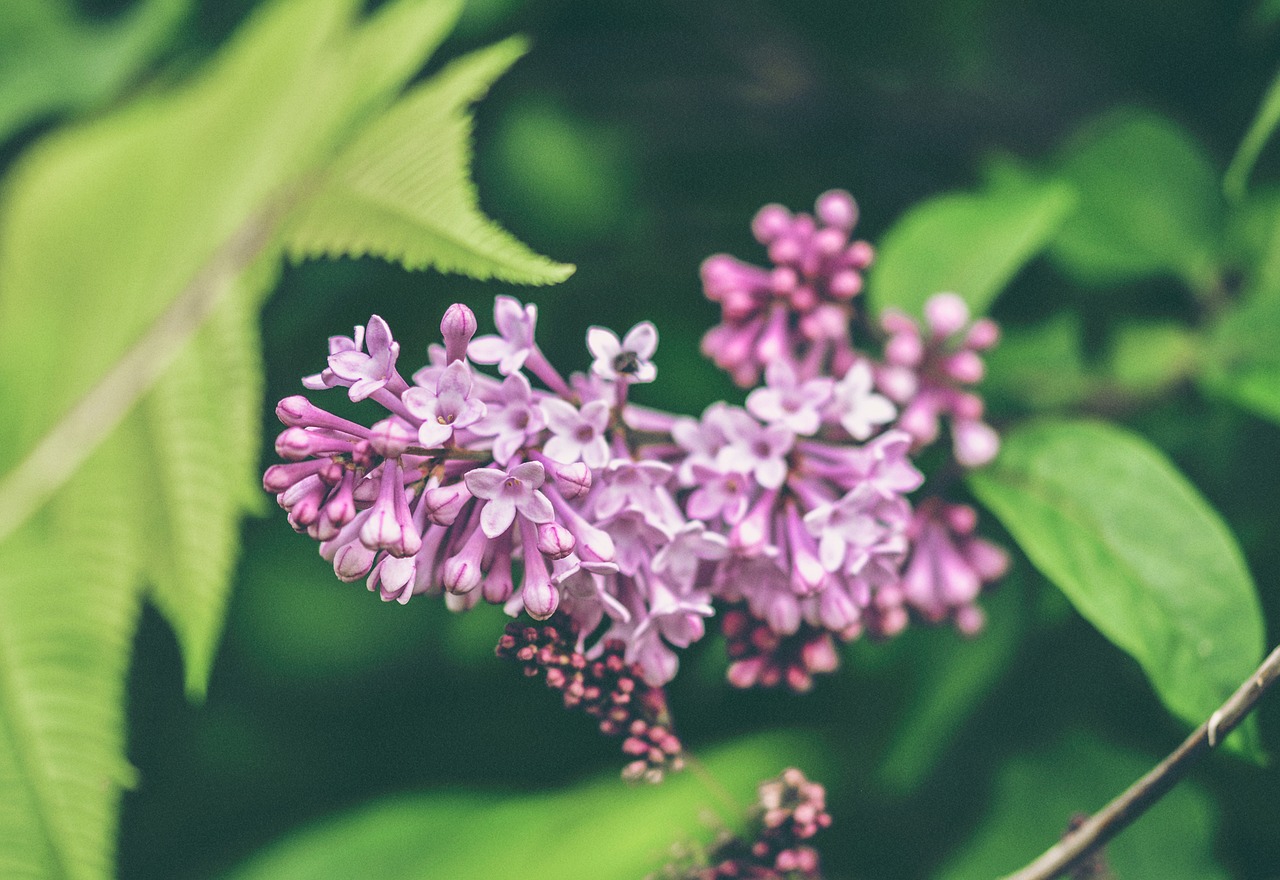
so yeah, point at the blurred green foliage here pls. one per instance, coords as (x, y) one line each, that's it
(633, 140)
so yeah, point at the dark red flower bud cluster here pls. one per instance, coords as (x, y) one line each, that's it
(760, 657)
(605, 687)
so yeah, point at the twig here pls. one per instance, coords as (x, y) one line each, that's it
(1095, 831)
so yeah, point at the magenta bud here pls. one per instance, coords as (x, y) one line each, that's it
(391, 437)
(964, 366)
(498, 586)
(904, 349)
(294, 444)
(845, 284)
(457, 327)
(837, 208)
(860, 255)
(295, 410)
(819, 655)
(829, 242)
(540, 597)
(770, 222)
(983, 334)
(461, 573)
(573, 480)
(444, 503)
(946, 313)
(555, 541)
(353, 561)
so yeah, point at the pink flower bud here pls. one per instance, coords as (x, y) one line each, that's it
(554, 540)
(457, 326)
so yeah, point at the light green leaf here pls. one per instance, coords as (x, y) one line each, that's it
(1149, 203)
(972, 244)
(1151, 357)
(535, 836)
(1037, 795)
(1137, 550)
(401, 191)
(52, 61)
(134, 254)
(68, 605)
(1236, 180)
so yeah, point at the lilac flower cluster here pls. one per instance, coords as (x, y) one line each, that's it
(554, 495)
(789, 811)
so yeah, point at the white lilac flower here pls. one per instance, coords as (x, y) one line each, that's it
(578, 435)
(514, 342)
(505, 494)
(446, 407)
(786, 401)
(857, 407)
(512, 419)
(625, 360)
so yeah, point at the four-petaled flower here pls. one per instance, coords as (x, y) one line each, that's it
(578, 434)
(626, 360)
(449, 407)
(506, 493)
(514, 342)
(370, 372)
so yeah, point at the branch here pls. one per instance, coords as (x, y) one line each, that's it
(1095, 831)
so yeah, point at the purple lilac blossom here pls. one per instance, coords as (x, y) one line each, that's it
(792, 518)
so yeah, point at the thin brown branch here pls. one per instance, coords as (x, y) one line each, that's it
(1095, 831)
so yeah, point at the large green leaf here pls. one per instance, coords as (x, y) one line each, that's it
(1149, 202)
(401, 191)
(53, 61)
(967, 243)
(134, 254)
(602, 829)
(1037, 795)
(1137, 550)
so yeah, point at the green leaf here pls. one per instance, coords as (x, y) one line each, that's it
(956, 673)
(401, 190)
(535, 836)
(1149, 203)
(68, 606)
(1137, 550)
(52, 61)
(1150, 357)
(1037, 795)
(972, 244)
(1236, 180)
(134, 254)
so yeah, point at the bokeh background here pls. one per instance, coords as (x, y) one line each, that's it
(634, 140)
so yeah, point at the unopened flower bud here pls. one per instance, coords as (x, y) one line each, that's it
(573, 480)
(554, 540)
(457, 327)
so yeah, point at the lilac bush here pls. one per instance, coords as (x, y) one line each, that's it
(798, 520)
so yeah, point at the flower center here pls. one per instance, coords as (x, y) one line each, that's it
(627, 363)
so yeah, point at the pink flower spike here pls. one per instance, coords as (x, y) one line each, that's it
(506, 494)
(626, 360)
